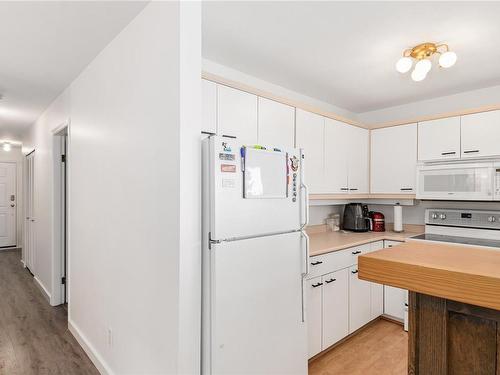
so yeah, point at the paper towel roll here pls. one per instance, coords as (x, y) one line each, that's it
(398, 218)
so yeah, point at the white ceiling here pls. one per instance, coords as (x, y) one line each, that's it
(344, 52)
(44, 46)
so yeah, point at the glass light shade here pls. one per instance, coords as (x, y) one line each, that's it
(423, 65)
(418, 75)
(404, 64)
(6, 146)
(448, 59)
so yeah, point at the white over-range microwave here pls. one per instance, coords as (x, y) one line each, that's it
(478, 181)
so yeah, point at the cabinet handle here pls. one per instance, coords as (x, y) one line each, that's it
(406, 189)
(330, 281)
(316, 285)
(356, 252)
(448, 153)
(229, 136)
(344, 189)
(470, 151)
(353, 189)
(406, 304)
(354, 272)
(316, 263)
(389, 245)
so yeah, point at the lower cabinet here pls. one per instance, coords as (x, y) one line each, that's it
(359, 300)
(395, 299)
(314, 315)
(335, 307)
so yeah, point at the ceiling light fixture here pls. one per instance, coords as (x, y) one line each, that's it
(7, 146)
(423, 54)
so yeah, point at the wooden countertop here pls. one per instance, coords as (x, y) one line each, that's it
(326, 242)
(461, 273)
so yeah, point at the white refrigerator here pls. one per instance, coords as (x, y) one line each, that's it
(255, 259)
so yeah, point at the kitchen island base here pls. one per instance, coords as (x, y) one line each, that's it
(453, 338)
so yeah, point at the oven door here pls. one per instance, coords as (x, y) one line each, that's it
(459, 181)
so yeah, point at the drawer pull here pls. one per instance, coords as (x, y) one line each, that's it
(470, 151)
(353, 189)
(356, 252)
(330, 281)
(316, 263)
(344, 189)
(316, 285)
(448, 153)
(406, 189)
(354, 272)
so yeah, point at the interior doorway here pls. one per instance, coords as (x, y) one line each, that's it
(60, 274)
(8, 210)
(29, 239)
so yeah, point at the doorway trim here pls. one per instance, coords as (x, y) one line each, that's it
(60, 230)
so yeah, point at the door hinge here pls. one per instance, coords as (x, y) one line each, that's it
(63, 158)
(63, 280)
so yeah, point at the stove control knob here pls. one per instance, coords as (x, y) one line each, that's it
(434, 215)
(442, 216)
(491, 219)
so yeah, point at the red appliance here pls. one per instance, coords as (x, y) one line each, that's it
(377, 221)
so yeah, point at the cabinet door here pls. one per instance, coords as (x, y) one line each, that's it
(359, 300)
(237, 114)
(310, 137)
(313, 315)
(394, 302)
(335, 307)
(276, 124)
(358, 158)
(394, 159)
(439, 139)
(208, 106)
(376, 290)
(336, 156)
(481, 134)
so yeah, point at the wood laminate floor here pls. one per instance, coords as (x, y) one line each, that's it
(34, 336)
(380, 349)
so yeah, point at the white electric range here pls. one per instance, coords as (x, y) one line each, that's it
(462, 227)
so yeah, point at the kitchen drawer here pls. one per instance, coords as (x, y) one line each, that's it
(334, 261)
(389, 243)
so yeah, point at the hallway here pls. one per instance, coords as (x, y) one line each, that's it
(34, 336)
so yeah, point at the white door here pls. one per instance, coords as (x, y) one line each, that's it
(314, 315)
(237, 114)
(335, 307)
(394, 159)
(481, 134)
(336, 156)
(377, 290)
(276, 123)
(8, 204)
(256, 308)
(29, 239)
(394, 302)
(439, 139)
(359, 300)
(358, 141)
(208, 107)
(310, 137)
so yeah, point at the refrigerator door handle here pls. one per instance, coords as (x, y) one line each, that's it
(305, 273)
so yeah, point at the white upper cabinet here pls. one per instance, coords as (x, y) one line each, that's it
(439, 139)
(276, 123)
(237, 114)
(358, 141)
(394, 159)
(336, 156)
(208, 106)
(310, 130)
(481, 134)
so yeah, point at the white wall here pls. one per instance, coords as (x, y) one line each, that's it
(15, 155)
(134, 205)
(436, 106)
(318, 214)
(240, 77)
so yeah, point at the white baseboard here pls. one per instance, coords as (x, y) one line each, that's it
(24, 264)
(94, 356)
(42, 288)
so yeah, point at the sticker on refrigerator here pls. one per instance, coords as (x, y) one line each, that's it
(228, 157)
(228, 168)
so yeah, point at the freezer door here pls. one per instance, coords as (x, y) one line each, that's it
(253, 191)
(256, 307)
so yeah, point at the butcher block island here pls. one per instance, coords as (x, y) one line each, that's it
(454, 305)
